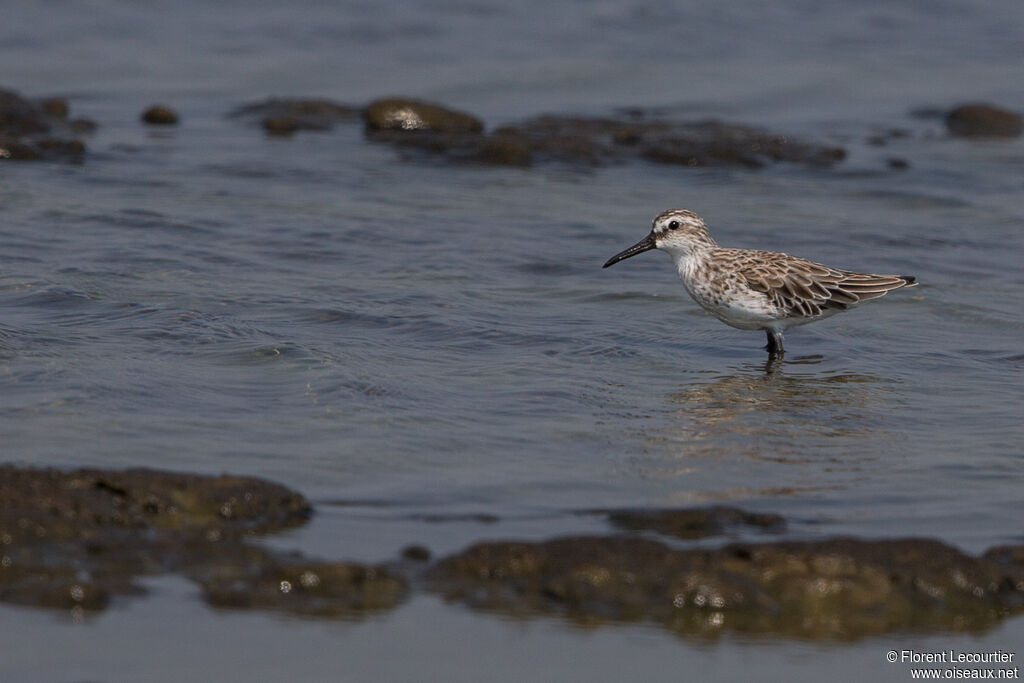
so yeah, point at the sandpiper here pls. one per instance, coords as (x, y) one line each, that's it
(757, 290)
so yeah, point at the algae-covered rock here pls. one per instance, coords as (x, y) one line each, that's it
(39, 130)
(713, 143)
(301, 586)
(47, 504)
(14, 150)
(19, 116)
(836, 589)
(504, 151)
(76, 539)
(983, 120)
(56, 107)
(411, 115)
(160, 115)
(456, 136)
(600, 141)
(281, 125)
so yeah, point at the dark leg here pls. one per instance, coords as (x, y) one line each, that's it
(774, 346)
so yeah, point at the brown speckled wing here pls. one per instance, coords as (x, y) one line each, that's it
(807, 289)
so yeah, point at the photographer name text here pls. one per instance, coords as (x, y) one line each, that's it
(956, 657)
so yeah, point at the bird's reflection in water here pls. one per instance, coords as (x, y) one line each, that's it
(784, 411)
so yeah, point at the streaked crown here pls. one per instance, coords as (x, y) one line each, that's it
(680, 230)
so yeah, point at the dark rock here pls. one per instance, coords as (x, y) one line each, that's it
(281, 125)
(504, 152)
(453, 147)
(601, 141)
(302, 587)
(64, 148)
(75, 504)
(36, 577)
(19, 117)
(30, 130)
(691, 523)
(160, 115)
(76, 539)
(13, 150)
(1011, 558)
(57, 107)
(54, 587)
(713, 143)
(983, 120)
(702, 143)
(832, 589)
(572, 140)
(416, 553)
(405, 114)
(79, 540)
(416, 126)
(283, 116)
(628, 136)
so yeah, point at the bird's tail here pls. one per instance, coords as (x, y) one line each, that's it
(909, 279)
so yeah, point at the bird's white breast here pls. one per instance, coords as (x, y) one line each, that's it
(725, 295)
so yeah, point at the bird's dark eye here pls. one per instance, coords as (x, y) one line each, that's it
(674, 225)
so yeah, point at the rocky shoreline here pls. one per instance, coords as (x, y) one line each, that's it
(42, 130)
(78, 540)
(32, 130)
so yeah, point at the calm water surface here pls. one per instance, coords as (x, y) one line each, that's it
(405, 341)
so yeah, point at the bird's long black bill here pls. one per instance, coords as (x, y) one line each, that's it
(646, 244)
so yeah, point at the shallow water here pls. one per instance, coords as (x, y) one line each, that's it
(420, 347)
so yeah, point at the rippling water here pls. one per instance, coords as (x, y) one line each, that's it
(407, 341)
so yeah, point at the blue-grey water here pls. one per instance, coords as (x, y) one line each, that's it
(407, 341)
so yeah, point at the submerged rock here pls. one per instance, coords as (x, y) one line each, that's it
(691, 523)
(19, 116)
(835, 589)
(281, 125)
(56, 107)
(564, 139)
(160, 115)
(283, 116)
(458, 136)
(39, 130)
(983, 120)
(601, 141)
(300, 586)
(713, 143)
(33, 581)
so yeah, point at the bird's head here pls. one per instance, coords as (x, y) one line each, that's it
(678, 231)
